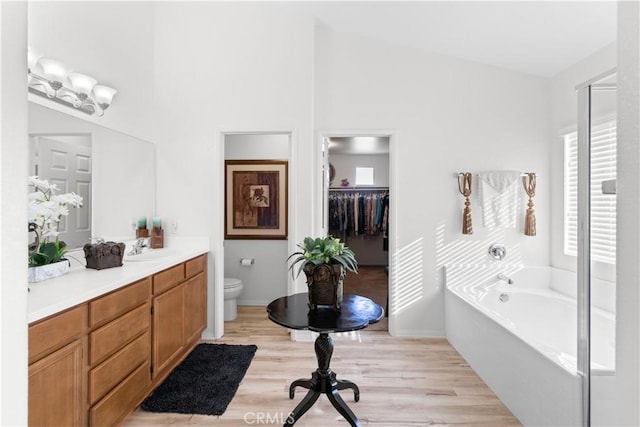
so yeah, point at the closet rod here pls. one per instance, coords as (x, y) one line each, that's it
(475, 174)
(359, 189)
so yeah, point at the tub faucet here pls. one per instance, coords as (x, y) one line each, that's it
(502, 276)
(497, 251)
(137, 247)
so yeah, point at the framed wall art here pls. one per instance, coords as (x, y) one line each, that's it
(256, 199)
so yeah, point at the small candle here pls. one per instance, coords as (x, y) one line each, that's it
(157, 222)
(142, 222)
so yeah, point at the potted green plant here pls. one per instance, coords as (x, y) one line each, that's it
(324, 261)
(45, 209)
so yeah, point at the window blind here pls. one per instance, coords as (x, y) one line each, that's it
(603, 206)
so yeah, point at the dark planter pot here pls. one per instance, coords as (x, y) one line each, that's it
(325, 283)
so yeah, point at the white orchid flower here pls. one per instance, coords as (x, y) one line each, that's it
(45, 209)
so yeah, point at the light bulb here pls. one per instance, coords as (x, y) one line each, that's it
(33, 56)
(54, 71)
(103, 95)
(82, 84)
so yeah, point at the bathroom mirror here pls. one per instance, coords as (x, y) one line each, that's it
(65, 160)
(116, 175)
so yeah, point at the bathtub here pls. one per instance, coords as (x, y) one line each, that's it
(520, 339)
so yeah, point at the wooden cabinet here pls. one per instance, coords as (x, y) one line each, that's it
(53, 333)
(107, 375)
(179, 313)
(123, 399)
(168, 339)
(57, 377)
(168, 278)
(110, 306)
(119, 356)
(195, 304)
(93, 364)
(179, 316)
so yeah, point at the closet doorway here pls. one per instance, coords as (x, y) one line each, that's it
(357, 211)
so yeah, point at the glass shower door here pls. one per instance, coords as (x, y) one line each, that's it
(596, 231)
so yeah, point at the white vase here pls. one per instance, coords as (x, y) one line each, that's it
(49, 271)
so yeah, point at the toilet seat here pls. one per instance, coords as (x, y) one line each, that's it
(232, 283)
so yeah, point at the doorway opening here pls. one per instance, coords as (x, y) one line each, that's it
(249, 276)
(357, 210)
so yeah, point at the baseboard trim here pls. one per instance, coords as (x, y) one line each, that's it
(253, 302)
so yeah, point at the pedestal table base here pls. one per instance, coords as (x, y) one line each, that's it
(323, 380)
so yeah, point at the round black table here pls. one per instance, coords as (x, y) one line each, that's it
(356, 312)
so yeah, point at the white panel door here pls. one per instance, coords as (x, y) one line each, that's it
(69, 167)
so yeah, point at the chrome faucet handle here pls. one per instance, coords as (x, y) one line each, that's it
(497, 252)
(142, 242)
(502, 276)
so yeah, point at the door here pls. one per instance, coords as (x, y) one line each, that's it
(68, 165)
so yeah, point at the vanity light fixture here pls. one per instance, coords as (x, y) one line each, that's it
(72, 89)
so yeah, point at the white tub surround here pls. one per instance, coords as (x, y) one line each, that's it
(83, 284)
(521, 339)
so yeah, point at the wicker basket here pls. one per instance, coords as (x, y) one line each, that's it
(104, 255)
(325, 283)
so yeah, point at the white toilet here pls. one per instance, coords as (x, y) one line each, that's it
(232, 290)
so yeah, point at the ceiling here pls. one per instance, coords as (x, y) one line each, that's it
(540, 38)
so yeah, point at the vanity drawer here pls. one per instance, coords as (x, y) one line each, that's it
(196, 265)
(51, 334)
(168, 278)
(112, 336)
(122, 400)
(116, 303)
(112, 371)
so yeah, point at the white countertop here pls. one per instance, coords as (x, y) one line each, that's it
(82, 284)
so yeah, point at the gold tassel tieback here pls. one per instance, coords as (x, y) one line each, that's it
(529, 184)
(464, 186)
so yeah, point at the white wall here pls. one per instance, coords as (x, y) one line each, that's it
(123, 175)
(628, 236)
(345, 166)
(225, 67)
(110, 41)
(266, 279)
(13, 211)
(221, 66)
(564, 118)
(448, 116)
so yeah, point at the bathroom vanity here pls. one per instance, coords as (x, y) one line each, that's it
(92, 362)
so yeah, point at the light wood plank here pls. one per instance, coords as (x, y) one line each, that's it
(404, 382)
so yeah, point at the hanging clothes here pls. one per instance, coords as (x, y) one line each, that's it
(358, 213)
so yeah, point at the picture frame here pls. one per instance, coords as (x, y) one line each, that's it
(256, 199)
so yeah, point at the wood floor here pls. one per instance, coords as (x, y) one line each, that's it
(371, 282)
(404, 382)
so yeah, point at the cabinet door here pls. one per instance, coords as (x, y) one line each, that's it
(195, 304)
(168, 328)
(56, 388)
